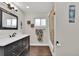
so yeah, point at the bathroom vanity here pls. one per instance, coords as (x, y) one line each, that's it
(14, 46)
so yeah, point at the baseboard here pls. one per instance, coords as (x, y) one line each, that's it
(39, 44)
(51, 48)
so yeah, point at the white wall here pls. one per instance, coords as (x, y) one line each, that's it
(31, 31)
(67, 33)
(20, 15)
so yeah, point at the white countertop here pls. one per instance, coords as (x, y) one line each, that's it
(7, 40)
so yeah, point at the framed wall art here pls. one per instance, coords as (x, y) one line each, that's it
(28, 22)
(71, 13)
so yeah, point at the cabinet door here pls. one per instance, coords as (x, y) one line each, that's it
(51, 27)
(9, 48)
(16, 48)
(24, 42)
(20, 43)
(28, 42)
(26, 45)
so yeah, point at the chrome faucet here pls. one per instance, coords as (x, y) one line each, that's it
(10, 36)
(13, 34)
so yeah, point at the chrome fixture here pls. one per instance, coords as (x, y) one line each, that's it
(11, 6)
(13, 35)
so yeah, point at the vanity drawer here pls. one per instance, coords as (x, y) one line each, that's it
(14, 52)
(10, 47)
(13, 49)
(26, 41)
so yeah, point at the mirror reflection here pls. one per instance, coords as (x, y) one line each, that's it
(8, 20)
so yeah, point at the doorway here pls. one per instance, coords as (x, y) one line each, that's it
(52, 27)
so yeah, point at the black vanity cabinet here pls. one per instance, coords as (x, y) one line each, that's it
(16, 48)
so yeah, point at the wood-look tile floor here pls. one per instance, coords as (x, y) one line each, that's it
(38, 51)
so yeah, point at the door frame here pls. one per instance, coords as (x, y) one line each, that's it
(54, 45)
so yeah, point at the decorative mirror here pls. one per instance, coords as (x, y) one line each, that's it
(8, 20)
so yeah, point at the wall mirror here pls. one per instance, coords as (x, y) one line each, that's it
(8, 20)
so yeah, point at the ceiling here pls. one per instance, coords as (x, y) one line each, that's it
(35, 7)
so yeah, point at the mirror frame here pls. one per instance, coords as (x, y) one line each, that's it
(7, 28)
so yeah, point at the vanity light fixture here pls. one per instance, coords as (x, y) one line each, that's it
(11, 6)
